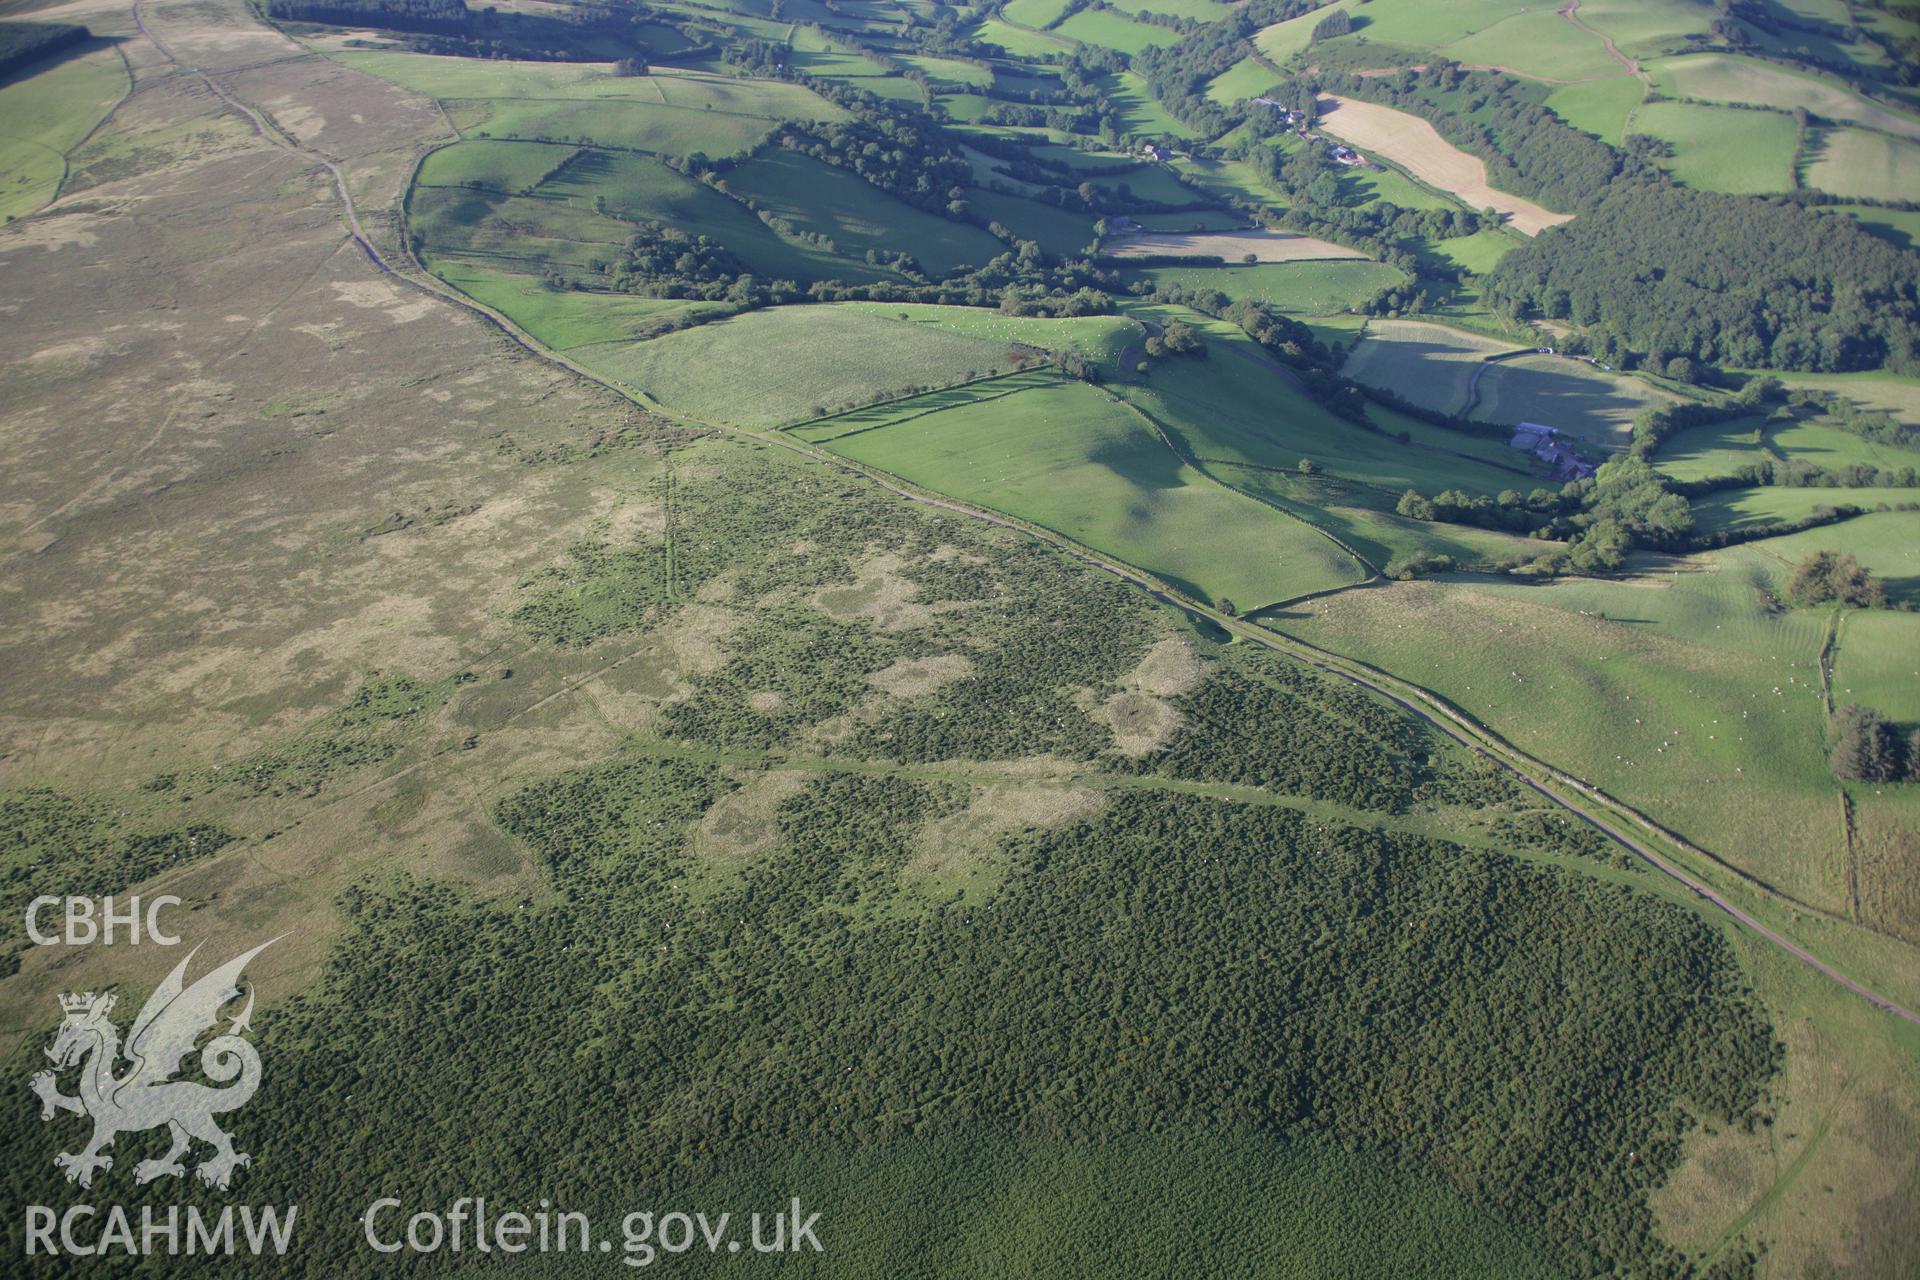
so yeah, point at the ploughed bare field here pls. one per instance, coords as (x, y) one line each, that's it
(1416, 146)
(1234, 246)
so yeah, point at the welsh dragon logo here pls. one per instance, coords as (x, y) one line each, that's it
(143, 1095)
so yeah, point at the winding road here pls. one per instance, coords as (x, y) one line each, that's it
(1593, 807)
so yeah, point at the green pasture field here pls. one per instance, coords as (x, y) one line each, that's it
(633, 186)
(873, 14)
(1478, 253)
(951, 70)
(1283, 40)
(1034, 13)
(1111, 30)
(1831, 42)
(1054, 229)
(964, 107)
(1138, 110)
(632, 126)
(1744, 152)
(1025, 77)
(743, 7)
(1887, 392)
(1363, 518)
(1719, 77)
(1426, 364)
(1154, 182)
(1538, 43)
(1101, 339)
(1876, 659)
(786, 364)
(1069, 457)
(562, 318)
(1229, 178)
(510, 168)
(1601, 107)
(835, 63)
(1336, 331)
(1314, 288)
(813, 39)
(518, 232)
(855, 214)
(1751, 508)
(1235, 406)
(1074, 158)
(988, 169)
(1503, 32)
(1198, 10)
(744, 19)
(1716, 449)
(43, 116)
(1820, 441)
(1886, 542)
(448, 79)
(892, 87)
(1394, 187)
(565, 228)
(896, 410)
(1643, 27)
(1677, 690)
(1019, 43)
(1566, 394)
(771, 99)
(663, 40)
(1864, 165)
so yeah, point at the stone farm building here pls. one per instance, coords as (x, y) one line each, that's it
(1544, 443)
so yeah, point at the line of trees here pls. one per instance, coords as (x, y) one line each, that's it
(437, 17)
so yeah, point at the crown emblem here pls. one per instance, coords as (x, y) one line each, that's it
(85, 1002)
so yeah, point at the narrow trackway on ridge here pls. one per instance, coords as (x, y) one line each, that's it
(1428, 706)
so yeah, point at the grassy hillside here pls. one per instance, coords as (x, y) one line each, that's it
(1715, 77)
(1245, 79)
(583, 207)
(1071, 458)
(855, 216)
(1054, 229)
(1676, 690)
(1722, 148)
(1237, 407)
(1427, 364)
(1757, 508)
(1601, 107)
(770, 367)
(45, 115)
(726, 825)
(1310, 287)
(1566, 394)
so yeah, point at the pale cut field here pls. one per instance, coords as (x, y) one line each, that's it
(1234, 246)
(1719, 77)
(1417, 147)
(1858, 162)
(1431, 365)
